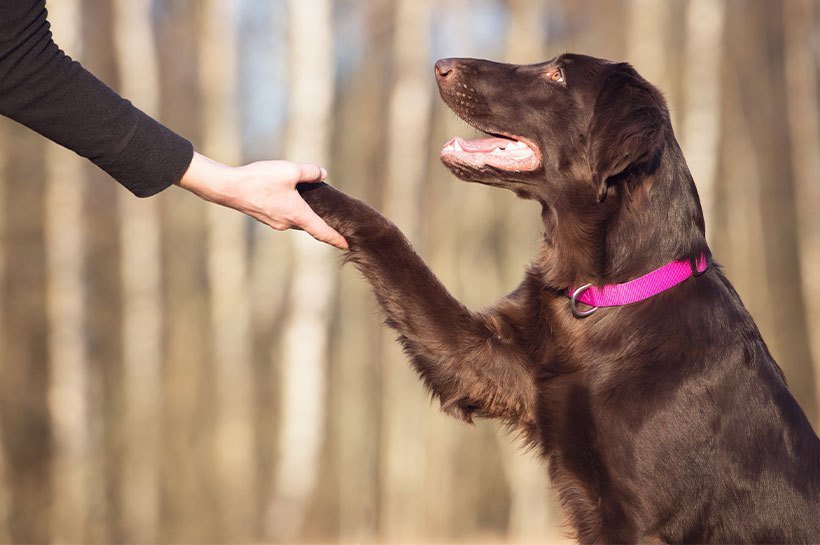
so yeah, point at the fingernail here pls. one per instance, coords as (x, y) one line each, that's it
(324, 173)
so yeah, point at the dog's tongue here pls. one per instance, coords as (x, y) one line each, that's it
(501, 153)
(481, 145)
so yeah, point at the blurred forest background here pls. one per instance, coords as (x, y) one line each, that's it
(173, 372)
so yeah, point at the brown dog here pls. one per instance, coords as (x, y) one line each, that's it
(665, 420)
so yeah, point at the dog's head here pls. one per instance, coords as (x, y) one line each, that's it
(589, 139)
(574, 119)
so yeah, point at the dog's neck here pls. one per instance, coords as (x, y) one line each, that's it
(646, 221)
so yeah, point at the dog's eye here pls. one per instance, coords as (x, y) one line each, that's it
(555, 74)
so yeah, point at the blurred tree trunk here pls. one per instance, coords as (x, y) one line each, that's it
(5, 536)
(653, 46)
(24, 415)
(65, 297)
(4, 469)
(801, 28)
(261, 58)
(526, 33)
(189, 496)
(408, 116)
(598, 24)
(764, 102)
(474, 258)
(304, 357)
(68, 388)
(103, 299)
(228, 278)
(472, 500)
(647, 34)
(406, 500)
(533, 514)
(356, 366)
(738, 223)
(700, 137)
(140, 275)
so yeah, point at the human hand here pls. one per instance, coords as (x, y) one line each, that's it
(265, 190)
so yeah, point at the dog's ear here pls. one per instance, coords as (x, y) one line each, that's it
(628, 127)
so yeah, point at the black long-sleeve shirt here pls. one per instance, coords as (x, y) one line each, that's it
(45, 90)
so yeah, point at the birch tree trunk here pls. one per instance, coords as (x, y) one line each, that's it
(65, 253)
(4, 469)
(409, 116)
(140, 274)
(24, 413)
(304, 359)
(262, 43)
(475, 256)
(453, 241)
(5, 536)
(403, 427)
(736, 226)
(801, 28)
(356, 364)
(598, 27)
(228, 278)
(739, 225)
(781, 232)
(532, 511)
(188, 490)
(764, 102)
(68, 388)
(647, 33)
(700, 137)
(526, 32)
(103, 293)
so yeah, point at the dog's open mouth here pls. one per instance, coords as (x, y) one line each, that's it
(501, 152)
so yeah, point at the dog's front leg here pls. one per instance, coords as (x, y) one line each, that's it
(469, 360)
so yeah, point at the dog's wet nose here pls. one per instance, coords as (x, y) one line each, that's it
(444, 67)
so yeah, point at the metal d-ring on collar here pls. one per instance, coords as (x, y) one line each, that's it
(574, 301)
(652, 283)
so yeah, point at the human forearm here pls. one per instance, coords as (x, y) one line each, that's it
(50, 93)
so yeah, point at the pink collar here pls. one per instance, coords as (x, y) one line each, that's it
(644, 287)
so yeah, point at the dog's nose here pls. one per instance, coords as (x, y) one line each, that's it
(444, 67)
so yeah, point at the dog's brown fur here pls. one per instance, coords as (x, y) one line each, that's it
(662, 421)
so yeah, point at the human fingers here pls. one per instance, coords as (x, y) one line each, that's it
(308, 221)
(310, 172)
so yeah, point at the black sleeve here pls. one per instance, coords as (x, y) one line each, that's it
(44, 89)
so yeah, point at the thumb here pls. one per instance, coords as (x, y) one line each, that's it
(318, 229)
(310, 172)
